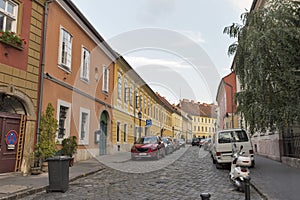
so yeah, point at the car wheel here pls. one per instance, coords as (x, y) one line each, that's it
(218, 166)
(163, 152)
(158, 155)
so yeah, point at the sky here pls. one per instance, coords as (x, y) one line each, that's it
(176, 46)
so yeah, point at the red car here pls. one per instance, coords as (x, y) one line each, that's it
(148, 147)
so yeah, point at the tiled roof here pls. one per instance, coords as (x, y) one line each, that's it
(198, 109)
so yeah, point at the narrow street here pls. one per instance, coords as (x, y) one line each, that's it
(185, 178)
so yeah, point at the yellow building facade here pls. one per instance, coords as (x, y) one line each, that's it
(137, 111)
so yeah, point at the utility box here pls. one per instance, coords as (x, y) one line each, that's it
(58, 173)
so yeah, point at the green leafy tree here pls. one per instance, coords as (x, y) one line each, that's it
(46, 145)
(267, 59)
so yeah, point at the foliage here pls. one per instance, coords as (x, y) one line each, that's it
(69, 146)
(46, 145)
(267, 60)
(11, 38)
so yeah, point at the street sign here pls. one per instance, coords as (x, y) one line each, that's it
(148, 122)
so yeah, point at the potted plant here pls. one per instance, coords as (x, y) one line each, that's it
(46, 145)
(12, 39)
(69, 147)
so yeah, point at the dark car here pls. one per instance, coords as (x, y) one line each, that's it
(148, 147)
(195, 141)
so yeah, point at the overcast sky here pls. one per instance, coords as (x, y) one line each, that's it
(177, 46)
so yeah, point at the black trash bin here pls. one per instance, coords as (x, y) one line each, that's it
(58, 173)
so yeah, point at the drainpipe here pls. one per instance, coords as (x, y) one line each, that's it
(42, 69)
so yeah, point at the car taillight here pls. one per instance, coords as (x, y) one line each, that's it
(218, 153)
(244, 170)
(251, 151)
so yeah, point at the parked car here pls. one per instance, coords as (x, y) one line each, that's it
(181, 143)
(195, 141)
(221, 150)
(148, 147)
(207, 144)
(168, 145)
(176, 144)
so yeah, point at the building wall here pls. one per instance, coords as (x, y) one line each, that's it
(19, 69)
(65, 86)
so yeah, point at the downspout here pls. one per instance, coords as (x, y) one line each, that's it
(42, 69)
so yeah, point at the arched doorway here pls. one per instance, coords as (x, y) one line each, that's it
(103, 133)
(12, 133)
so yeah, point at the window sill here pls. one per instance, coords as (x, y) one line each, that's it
(8, 45)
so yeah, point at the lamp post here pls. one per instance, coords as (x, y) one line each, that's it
(231, 95)
(140, 123)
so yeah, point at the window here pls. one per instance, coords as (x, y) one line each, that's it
(105, 79)
(126, 88)
(118, 131)
(61, 123)
(119, 86)
(198, 128)
(125, 132)
(84, 126)
(149, 108)
(63, 116)
(85, 64)
(65, 49)
(145, 105)
(8, 15)
(131, 95)
(194, 128)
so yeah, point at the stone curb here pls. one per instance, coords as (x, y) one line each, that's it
(32, 191)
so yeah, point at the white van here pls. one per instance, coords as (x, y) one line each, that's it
(222, 141)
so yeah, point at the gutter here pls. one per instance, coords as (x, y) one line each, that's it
(42, 70)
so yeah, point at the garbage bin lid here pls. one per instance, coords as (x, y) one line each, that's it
(58, 158)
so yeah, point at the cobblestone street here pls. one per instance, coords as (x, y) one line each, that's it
(185, 178)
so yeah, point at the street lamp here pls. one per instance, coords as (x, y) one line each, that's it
(140, 123)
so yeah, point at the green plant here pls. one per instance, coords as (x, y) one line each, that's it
(69, 146)
(11, 38)
(46, 145)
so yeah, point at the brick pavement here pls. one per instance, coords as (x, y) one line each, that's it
(183, 178)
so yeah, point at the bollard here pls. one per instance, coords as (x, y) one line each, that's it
(247, 188)
(205, 196)
(119, 147)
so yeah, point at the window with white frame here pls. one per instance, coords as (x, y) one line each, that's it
(119, 86)
(126, 89)
(84, 125)
(85, 64)
(105, 79)
(131, 96)
(149, 108)
(63, 116)
(65, 49)
(8, 15)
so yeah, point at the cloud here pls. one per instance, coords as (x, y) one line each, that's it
(241, 5)
(144, 61)
(193, 35)
(155, 10)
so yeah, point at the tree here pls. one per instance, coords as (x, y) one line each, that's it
(267, 60)
(46, 145)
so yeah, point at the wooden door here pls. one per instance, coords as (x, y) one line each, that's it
(9, 128)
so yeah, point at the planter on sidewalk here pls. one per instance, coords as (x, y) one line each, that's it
(58, 173)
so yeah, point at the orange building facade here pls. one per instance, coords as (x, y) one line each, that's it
(78, 79)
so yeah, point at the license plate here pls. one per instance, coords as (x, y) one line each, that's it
(142, 154)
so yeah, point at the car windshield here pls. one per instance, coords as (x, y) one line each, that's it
(237, 136)
(147, 140)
